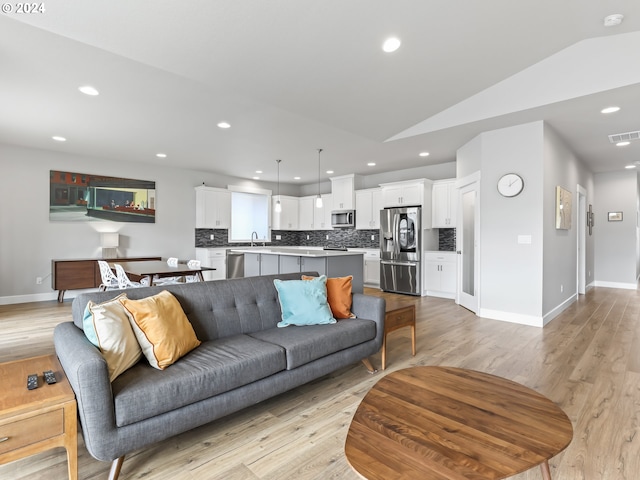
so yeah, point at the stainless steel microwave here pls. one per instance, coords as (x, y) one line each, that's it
(343, 218)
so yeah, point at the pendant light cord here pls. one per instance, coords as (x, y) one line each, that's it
(319, 151)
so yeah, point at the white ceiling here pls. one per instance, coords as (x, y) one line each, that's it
(295, 75)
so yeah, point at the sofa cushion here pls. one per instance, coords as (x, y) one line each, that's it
(106, 325)
(308, 343)
(213, 368)
(161, 327)
(304, 302)
(339, 291)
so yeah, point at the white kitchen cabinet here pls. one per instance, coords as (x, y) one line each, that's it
(322, 215)
(440, 274)
(213, 207)
(409, 193)
(287, 219)
(368, 206)
(372, 268)
(213, 258)
(311, 217)
(306, 212)
(444, 204)
(343, 191)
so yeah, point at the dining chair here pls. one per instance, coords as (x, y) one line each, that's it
(158, 280)
(125, 282)
(109, 280)
(194, 277)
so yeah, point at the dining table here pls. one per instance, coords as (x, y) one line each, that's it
(158, 269)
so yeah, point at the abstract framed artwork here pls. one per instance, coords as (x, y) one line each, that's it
(77, 197)
(563, 209)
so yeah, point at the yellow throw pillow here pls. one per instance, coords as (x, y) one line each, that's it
(161, 327)
(338, 295)
(107, 326)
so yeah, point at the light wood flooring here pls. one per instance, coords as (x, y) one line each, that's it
(587, 360)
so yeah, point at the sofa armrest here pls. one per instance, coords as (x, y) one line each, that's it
(371, 308)
(88, 374)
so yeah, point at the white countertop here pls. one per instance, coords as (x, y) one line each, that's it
(295, 251)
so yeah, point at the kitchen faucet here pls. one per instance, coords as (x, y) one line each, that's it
(252, 234)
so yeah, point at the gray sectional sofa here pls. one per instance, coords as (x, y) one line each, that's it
(243, 359)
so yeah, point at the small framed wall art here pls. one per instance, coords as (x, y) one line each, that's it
(563, 209)
(615, 216)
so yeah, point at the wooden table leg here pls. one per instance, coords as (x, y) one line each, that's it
(413, 339)
(384, 351)
(546, 473)
(71, 439)
(200, 276)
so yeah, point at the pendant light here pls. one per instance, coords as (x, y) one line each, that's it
(319, 198)
(278, 207)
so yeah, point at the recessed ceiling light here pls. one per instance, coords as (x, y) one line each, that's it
(622, 144)
(613, 20)
(329, 172)
(57, 138)
(161, 155)
(630, 166)
(224, 125)
(610, 110)
(424, 154)
(296, 178)
(371, 164)
(256, 178)
(258, 171)
(391, 44)
(89, 90)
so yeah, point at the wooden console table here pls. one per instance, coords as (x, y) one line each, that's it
(77, 274)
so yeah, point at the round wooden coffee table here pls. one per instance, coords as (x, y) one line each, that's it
(452, 423)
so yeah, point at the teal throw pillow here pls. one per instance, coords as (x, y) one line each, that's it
(304, 302)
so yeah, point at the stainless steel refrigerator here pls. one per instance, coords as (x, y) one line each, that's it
(400, 246)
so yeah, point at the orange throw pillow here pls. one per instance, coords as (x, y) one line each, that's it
(338, 296)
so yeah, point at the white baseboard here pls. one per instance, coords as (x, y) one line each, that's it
(559, 309)
(531, 320)
(626, 286)
(40, 297)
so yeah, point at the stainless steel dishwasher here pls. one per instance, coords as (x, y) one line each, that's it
(235, 264)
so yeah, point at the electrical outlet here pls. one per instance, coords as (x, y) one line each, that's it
(278, 237)
(373, 237)
(561, 288)
(327, 237)
(589, 273)
(211, 237)
(39, 280)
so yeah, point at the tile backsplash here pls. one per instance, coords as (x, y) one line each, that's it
(312, 238)
(346, 237)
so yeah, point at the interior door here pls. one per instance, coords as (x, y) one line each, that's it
(467, 234)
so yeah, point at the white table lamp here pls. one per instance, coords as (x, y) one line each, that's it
(109, 242)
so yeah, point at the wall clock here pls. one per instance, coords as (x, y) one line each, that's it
(510, 185)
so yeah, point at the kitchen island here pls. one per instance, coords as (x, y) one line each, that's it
(332, 263)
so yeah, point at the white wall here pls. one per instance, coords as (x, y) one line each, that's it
(562, 168)
(28, 241)
(511, 272)
(616, 242)
(520, 282)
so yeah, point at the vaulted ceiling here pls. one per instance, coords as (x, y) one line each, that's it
(292, 76)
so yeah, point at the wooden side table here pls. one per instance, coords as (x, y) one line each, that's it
(395, 318)
(32, 421)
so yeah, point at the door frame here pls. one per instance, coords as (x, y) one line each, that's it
(581, 245)
(472, 180)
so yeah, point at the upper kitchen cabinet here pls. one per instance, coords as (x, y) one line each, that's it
(368, 206)
(409, 193)
(311, 217)
(343, 191)
(287, 218)
(213, 207)
(444, 204)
